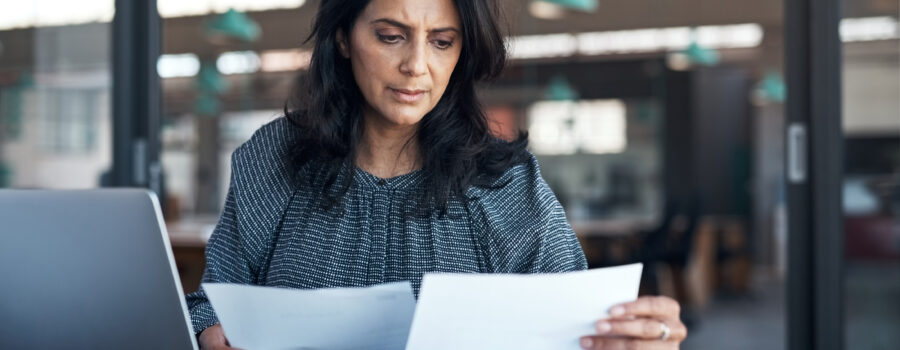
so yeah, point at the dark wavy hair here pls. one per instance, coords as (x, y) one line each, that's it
(457, 148)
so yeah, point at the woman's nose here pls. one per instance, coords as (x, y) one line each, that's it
(416, 61)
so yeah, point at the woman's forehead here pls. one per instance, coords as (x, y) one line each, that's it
(415, 14)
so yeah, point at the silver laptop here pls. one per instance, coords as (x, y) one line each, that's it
(88, 270)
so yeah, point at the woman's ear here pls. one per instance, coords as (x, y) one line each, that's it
(341, 40)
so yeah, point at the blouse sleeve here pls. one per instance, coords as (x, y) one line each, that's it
(225, 263)
(522, 226)
(257, 195)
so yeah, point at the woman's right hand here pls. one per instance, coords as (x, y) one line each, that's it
(213, 338)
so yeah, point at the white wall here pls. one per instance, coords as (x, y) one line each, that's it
(872, 94)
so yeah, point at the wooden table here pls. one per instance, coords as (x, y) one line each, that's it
(188, 238)
(610, 227)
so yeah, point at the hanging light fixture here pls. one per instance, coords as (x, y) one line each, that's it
(556, 9)
(770, 89)
(210, 85)
(226, 28)
(233, 25)
(559, 89)
(211, 80)
(580, 5)
(693, 55)
(703, 56)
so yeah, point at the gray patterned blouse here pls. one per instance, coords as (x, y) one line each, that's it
(274, 233)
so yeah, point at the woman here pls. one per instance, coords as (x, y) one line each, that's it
(386, 170)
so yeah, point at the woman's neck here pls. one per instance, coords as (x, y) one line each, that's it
(388, 151)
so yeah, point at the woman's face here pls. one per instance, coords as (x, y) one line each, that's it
(403, 53)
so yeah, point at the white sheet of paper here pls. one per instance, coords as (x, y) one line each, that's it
(259, 318)
(543, 311)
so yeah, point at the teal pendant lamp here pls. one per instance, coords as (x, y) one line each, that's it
(559, 89)
(701, 55)
(580, 5)
(224, 30)
(233, 25)
(210, 84)
(772, 88)
(210, 80)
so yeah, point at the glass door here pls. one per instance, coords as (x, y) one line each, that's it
(871, 174)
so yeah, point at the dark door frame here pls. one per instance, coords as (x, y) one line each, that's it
(814, 177)
(136, 118)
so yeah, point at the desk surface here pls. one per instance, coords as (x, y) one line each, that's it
(191, 233)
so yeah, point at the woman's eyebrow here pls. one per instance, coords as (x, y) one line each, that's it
(406, 27)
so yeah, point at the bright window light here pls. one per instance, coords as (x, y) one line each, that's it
(550, 131)
(539, 46)
(42, 13)
(731, 36)
(624, 41)
(284, 60)
(180, 8)
(600, 126)
(676, 38)
(182, 65)
(634, 41)
(668, 39)
(32, 13)
(567, 127)
(238, 62)
(869, 29)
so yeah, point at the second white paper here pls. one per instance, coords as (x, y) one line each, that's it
(260, 318)
(543, 311)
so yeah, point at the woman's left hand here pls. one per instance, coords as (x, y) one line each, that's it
(640, 324)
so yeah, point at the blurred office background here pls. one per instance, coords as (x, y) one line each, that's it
(660, 126)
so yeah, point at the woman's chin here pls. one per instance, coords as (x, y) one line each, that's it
(406, 119)
(399, 115)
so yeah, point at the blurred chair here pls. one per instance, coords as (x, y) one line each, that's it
(667, 246)
(670, 244)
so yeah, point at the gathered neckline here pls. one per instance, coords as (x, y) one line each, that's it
(408, 180)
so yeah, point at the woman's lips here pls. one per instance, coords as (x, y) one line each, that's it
(407, 96)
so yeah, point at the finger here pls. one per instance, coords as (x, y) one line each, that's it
(679, 330)
(645, 328)
(598, 343)
(656, 306)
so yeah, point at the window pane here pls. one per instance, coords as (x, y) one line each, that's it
(55, 93)
(871, 190)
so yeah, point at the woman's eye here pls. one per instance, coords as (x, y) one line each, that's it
(390, 39)
(443, 44)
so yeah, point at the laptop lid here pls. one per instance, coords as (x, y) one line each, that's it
(89, 269)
